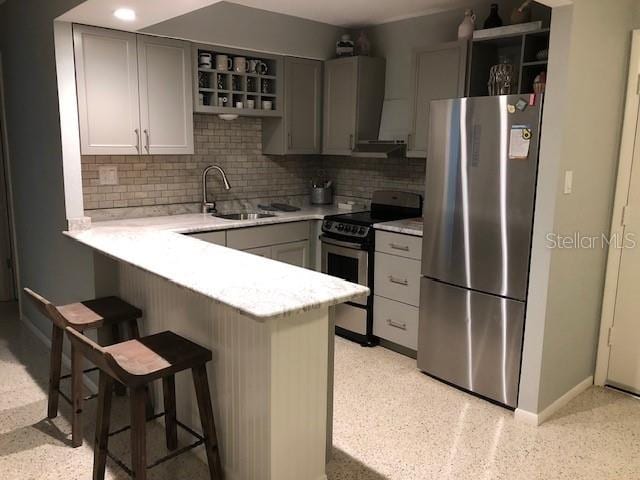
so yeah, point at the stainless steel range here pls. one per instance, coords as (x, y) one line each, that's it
(348, 247)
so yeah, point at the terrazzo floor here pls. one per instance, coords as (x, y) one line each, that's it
(391, 422)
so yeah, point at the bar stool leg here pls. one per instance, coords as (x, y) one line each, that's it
(135, 334)
(171, 427)
(55, 367)
(203, 395)
(76, 397)
(117, 337)
(138, 432)
(105, 393)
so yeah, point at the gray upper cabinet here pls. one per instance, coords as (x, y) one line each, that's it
(107, 84)
(300, 131)
(166, 102)
(134, 93)
(353, 96)
(438, 72)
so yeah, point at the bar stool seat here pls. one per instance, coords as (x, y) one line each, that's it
(111, 312)
(149, 358)
(136, 363)
(98, 313)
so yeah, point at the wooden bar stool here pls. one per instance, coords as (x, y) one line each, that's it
(92, 314)
(136, 363)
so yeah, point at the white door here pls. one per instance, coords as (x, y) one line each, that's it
(107, 84)
(166, 103)
(295, 253)
(624, 336)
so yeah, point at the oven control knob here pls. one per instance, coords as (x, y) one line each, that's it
(347, 228)
(361, 231)
(340, 227)
(328, 225)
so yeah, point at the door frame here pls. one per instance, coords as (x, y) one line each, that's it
(5, 164)
(630, 137)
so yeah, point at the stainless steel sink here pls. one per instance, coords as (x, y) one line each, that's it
(243, 215)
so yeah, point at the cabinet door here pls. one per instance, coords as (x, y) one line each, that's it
(107, 84)
(303, 104)
(260, 251)
(166, 102)
(296, 253)
(340, 99)
(437, 73)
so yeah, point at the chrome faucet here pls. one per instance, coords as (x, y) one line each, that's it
(210, 207)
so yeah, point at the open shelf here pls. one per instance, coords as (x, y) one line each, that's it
(219, 90)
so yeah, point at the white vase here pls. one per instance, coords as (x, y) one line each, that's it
(468, 25)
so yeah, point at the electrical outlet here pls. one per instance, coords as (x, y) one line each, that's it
(108, 175)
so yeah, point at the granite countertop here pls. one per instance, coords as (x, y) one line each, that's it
(254, 286)
(409, 226)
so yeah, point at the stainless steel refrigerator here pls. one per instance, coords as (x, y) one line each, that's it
(478, 217)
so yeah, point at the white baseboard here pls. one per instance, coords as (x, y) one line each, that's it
(66, 361)
(539, 418)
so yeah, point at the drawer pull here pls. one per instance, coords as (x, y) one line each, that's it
(395, 246)
(398, 281)
(401, 326)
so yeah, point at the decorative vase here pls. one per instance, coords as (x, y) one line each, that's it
(363, 45)
(468, 25)
(521, 14)
(493, 20)
(344, 46)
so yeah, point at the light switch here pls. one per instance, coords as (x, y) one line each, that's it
(108, 175)
(568, 182)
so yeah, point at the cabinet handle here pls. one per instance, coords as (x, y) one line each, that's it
(146, 138)
(137, 139)
(398, 281)
(289, 141)
(351, 141)
(409, 141)
(395, 246)
(401, 326)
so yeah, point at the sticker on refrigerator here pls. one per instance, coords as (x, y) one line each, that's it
(519, 142)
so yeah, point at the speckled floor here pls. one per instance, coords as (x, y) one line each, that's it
(391, 422)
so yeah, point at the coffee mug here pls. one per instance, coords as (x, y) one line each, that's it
(201, 98)
(261, 68)
(204, 60)
(251, 104)
(239, 105)
(240, 64)
(223, 63)
(251, 65)
(267, 104)
(222, 101)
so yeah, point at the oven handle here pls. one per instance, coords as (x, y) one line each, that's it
(339, 243)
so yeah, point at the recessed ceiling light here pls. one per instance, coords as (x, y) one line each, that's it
(125, 14)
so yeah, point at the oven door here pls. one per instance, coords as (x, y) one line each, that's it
(346, 260)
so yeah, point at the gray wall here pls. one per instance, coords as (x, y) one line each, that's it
(49, 262)
(582, 136)
(235, 25)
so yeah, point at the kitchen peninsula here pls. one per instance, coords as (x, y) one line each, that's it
(268, 324)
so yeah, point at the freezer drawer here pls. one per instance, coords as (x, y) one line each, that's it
(471, 339)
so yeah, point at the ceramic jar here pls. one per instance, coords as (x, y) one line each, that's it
(468, 25)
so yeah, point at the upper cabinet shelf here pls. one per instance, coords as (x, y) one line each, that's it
(525, 51)
(236, 81)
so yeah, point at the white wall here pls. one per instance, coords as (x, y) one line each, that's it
(581, 132)
(49, 263)
(235, 25)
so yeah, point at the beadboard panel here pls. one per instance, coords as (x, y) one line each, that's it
(268, 380)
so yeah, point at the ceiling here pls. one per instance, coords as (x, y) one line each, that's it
(350, 13)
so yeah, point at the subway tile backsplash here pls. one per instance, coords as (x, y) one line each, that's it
(167, 184)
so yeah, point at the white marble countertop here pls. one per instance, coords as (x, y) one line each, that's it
(409, 226)
(255, 286)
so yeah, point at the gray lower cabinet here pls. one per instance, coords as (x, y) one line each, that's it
(299, 132)
(134, 93)
(397, 292)
(294, 253)
(437, 72)
(353, 96)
